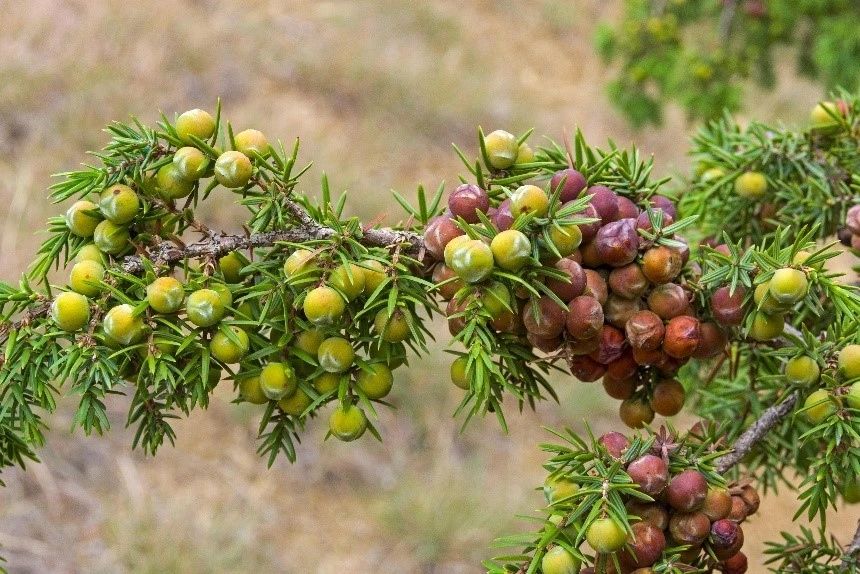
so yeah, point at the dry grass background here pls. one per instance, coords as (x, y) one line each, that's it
(377, 90)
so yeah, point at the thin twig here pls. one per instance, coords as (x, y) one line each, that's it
(848, 557)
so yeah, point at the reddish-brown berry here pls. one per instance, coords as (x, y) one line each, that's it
(467, 200)
(453, 283)
(687, 491)
(544, 317)
(586, 369)
(635, 413)
(439, 232)
(689, 527)
(737, 564)
(584, 317)
(682, 337)
(624, 367)
(567, 290)
(571, 181)
(611, 347)
(595, 286)
(668, 398)
(668, 300)
(615, 443)
(605, 201)
(628, 281)
(619, 389)
(651, 474)
(718, 504)
(661, 264)
(728, 307)
(712, 341)
(617, 243)
(618, 310)
(646, 543)
(652, 512)
(645, 330)
(726, 538)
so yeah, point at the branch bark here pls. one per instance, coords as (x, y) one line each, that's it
(848, 557)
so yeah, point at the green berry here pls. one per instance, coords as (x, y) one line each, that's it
(70, 311)
(229, 349)
(525, 154)
(558, 560)
(170, 183)
(323, 305)
(231, 266)
(788, 286)
(559, 489)
(502, 149)
(713, 174)
(119, 204)
(853, 396)
(818, 406)
(766, 327)
(111, 238)
(190, 163)
(565, 238)
(453, 246)
(459, 375)
(335, 355)
(224, 294)
(121, 325)
(472, 261)
(251, 391)
(233, 169)
(825, 114)
(82, 218)
(605, 535)
(86, 277)
(496, 299)
(348, 279)
(90, 252)
(327, 382)
(851, 493)
(849, 361)
(204, 307)
(165, 295)
(374, 275)
(802, 370)
(392, 329)
(766, 302)
(250, 141)
(278, 380)
(347, 423)
(511, 249)
(295, 404)
(375, 381)
(529, 199)
(309, 341)
(196, 123)
(752, 185)
(301, 264)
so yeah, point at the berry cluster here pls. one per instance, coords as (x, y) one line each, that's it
(850, 234)
(588, 273)
(824, 402)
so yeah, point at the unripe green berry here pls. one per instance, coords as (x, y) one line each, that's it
(818, 406)
(765, 301)
(529, 199)
(751, 184)
(525, 154)
(86, 277)
(851, 493)
(453, 246)
(335, 355)
(249, 141)
(502, 149)
(295, 404)
(559, 489)
(565, 238)
(824, 114)
(224, 293)
(170, 183)
(121, 325)
(347, 423)
(496, 299)
(558, 560)
(766, 327)
(713, 174)
(190, 163)
(348, 279)
(605, 535)
(511, 249)
(802, 370)
(231, 266)
(229, 350)
(82, 218)
(195, 122)
(251, 391)
(458, 373)
(278, 380)
(165, 295)
(392, 329)
(788, 285)
(119, 204)
(849, 361)
(853, 396)
(233, 169)
(111, 238)
(90, 252)
(323, 305)
(472, 261)
(375, 381)
(374, 275)
(327, 382)
(70, 311)
(301, 264)
(309, 341)
(205, 307)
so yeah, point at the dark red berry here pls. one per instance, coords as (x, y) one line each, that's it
(624, 367)
(585, 369)
(650, 473)
(668, 398)
(595, 286)
(628, 281)
(664, 203)
(617, 243)
(467, 200)
(618, 389)
(618, 310)
(439, 232)
(652, 512)
(615, 443)
(727, 306)
(567, 290)
(503, 218)
(626, 208)
(689, 527)
(584, 317)
(737, 564)
(589, 230)
(668, 300)
(687, 491)
(712, 343)
(611, 347)
(571, 181)
(544, 317)
(646, 543)
(605, 201)
(726, 538)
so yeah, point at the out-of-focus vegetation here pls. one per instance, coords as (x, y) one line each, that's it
(377, 90)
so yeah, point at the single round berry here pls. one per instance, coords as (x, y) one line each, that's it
(467, 200)
(661, 264)
(788, 285)
(119, 204)
(348, 278)
(802, 370)
(347, 423)
(617, 243)
(635, 413)
(335, 355)
(751, 184)
(646, 542)
(605, 535)
(645, 330)
(278, 380)
(525, 154)
(571, 181)
(766, 327)
(595, 286)
(825, 114)
(250, 142)
(121, 325)
(544, 317)
(853, 396)
(668, 398)
(190, 164)
(496, 299)
(558, 560)
(296, 404)
(664, 203)
(197, 123)
(651, 512)
(374, 275)
(584, 317)
(611, 345)
(737, 564)
(90, 252)
(559, 488)
(605, 202)
(851, 493)
(82, 218)
(718, 504)
(687, 491)
(586, 369)
(529, 199)
(628, 281)
(682, 337)
(70, 311)
(471, 260)
(728, 306)
(205, 307)
(818, 406)
(111, 238)
(649, 472)
(323, 305)
(615, 443)
(713, 174)
(327, 383)
(171, 184)
(233, 169)
(849, 361)
(459, 375)
(375, 381)
(394, 328)
(502, 149)
(301, 265)
(726, 538)
(229, 349)
(503, 219)
(565, 238)
(165, 295)
(250, 391)
(439, 233)
(618, 310)
(231, 266)
(689, 527)
(573, 283)
(86, 278)
(511, 249)
(447, 282)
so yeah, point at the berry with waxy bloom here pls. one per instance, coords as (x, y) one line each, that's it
(86, 277)
(544, 317)
(190, 163)
(502, 149)
(467, 200)
(615, 443)
(617, 243)
(687, 491)
(646, 543)
(347, 423)
(165, 295)
(122, 326)
(233, 169)
(70, 311)
(650, 472)
(323, 305)
(205, 307)
(459, 374)
(512, 249)
(788, 285)
(502, 218)
(712, 341)
(119, 204)
(440, 231)
(584, 317)
(718, 504)
(335, 355)
(251, 141)
(571, 181)
(196, 122)
(628, 281)
(471, 260)
(689, 527)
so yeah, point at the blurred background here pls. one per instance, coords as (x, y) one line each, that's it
(377, 90)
